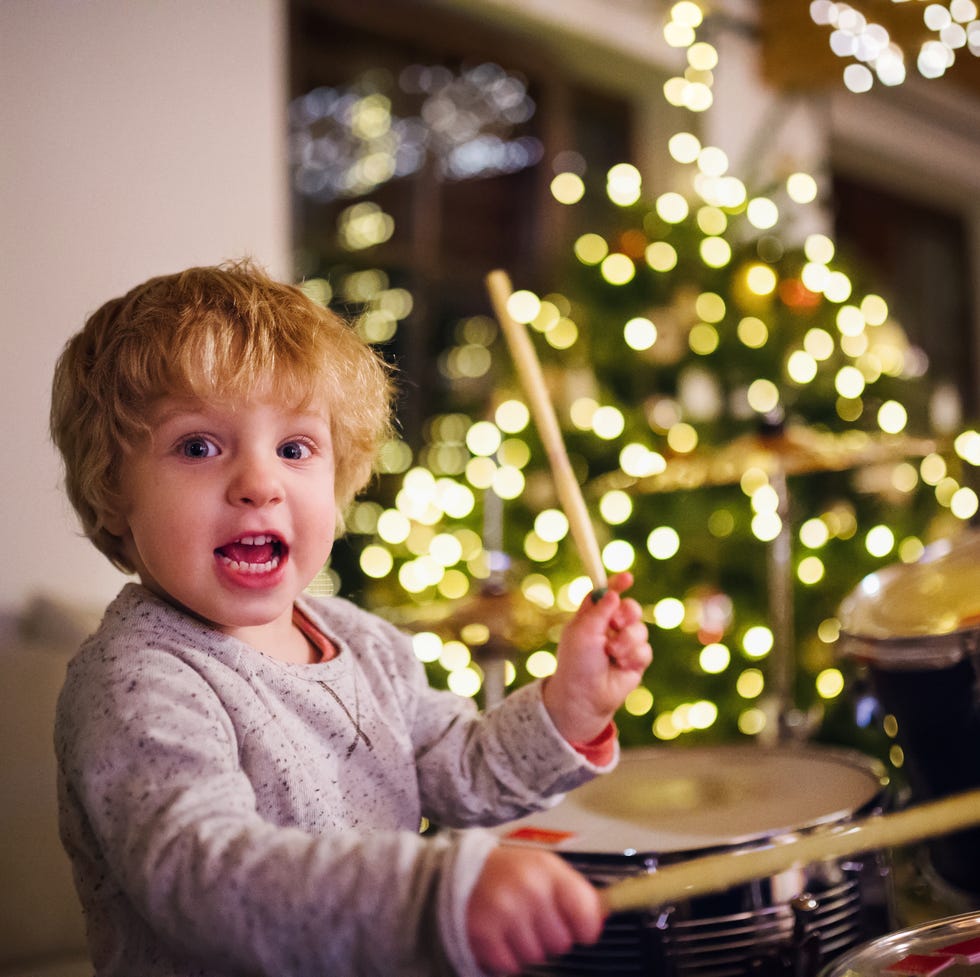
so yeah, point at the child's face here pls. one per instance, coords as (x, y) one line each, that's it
(229, 508)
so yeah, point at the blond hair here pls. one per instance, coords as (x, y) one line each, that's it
(211, 333)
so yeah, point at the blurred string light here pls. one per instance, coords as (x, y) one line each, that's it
(426, 546)
(873, 54)
(348, 141)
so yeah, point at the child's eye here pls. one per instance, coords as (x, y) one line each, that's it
(198, 447)
(294, 450)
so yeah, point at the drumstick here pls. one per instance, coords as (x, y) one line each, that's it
(566, 485)
(714, 873)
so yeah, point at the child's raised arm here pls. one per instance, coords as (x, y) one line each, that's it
(602, 655)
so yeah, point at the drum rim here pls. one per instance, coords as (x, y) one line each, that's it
(870, 768)
(909, 652)
(845, 964)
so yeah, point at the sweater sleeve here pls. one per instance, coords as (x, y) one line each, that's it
(473, 768)
(180, 875)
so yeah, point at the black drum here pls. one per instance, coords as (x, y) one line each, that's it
(664, 805)
(948, 946)
(916, 628)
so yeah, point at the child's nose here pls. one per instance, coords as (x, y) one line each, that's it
(255, 483)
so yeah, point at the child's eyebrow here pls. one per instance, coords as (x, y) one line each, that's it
(171, 410)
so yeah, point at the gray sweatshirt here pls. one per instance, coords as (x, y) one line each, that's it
(227, 813)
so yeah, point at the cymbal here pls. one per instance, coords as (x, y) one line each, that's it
(512, 621)
(793, 451)
(937, 595)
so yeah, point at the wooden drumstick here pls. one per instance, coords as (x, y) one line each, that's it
(715, 873)
(529, 372)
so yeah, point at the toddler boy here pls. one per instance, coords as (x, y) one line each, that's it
(243, 768)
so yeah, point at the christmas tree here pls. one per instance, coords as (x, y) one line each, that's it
(752, 430)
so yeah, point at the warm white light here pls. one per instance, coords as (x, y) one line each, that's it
(687, 12)
(801, 187)
(757, 641)
(618, 555)
(376, 561)
(590, 249)
(682, 438)
(617, 268)
(750, 683)
(819, 344)
(801, 367)
(427, 646)
(512, 416)
(963, 504)
(715, 252)
(615, 507)
(892, 417)
(766, 526)
(661, 256)
(483, 438)
(858, 78)
(640, 333)
(624, 184)
(663, 542)
(849, 382)
(713, 161)
(684, 147)
(761, 279)
(551, 525)
(819, 248)
(567, 188)
(879, 541)
(668, 613)
(714, 658)
(639, 461)
(814, 533)
(762, 213)
(672, 207)
(541, 664)
(763, 396)
(830, 683)
(810, 571)
(608, 422)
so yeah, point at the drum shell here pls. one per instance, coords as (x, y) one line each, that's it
(938, 728)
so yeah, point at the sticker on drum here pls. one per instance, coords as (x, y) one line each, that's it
(672, 804)
(949, 946)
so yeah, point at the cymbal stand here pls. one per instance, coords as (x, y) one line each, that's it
(788, 725)
(493, 655)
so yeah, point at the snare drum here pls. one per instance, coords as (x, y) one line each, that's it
(668, 804)
(916, 627)
(949, 946)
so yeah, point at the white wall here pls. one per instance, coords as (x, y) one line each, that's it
(135, 139)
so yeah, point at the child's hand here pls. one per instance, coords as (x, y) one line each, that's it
(602, 655)
(529, 905)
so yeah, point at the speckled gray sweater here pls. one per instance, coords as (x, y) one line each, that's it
(226, 813)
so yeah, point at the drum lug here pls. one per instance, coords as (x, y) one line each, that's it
(971, 651)
(806, 940)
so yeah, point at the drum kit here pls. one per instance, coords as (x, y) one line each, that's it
(776, 860)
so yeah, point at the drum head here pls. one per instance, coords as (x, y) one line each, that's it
(673, 801)
(938, 595)
(950, 946)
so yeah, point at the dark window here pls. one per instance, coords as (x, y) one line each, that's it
(919, 256)
(478, 117)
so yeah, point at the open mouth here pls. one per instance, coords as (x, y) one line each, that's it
(252, 554)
